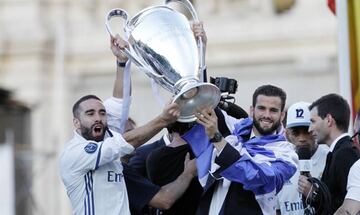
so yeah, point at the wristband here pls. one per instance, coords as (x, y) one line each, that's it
(120, 64)
(217, 138)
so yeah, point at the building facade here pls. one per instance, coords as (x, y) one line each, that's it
(54, 51)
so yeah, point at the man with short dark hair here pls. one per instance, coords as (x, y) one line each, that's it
(90, 165)
(242, 173)
(330, 116)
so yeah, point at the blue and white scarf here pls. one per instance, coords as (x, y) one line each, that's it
(266, 162)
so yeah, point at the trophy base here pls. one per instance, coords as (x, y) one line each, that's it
(196, 96)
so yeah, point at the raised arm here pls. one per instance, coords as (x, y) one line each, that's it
(118, 105)
(117, 45)
(142, 134)
(198, 29)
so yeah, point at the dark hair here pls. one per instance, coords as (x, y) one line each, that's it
(270, 90)
(180, 127)
(336, 106)
(75, 108)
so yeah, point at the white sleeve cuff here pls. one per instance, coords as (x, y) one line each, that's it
(353, 193)
(114, 106)
(353, 187)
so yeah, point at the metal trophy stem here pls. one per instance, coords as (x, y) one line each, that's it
(162, 44)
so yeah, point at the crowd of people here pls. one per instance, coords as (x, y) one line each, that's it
(222, 163)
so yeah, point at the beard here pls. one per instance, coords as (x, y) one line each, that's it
(87, 133)
(266, 131)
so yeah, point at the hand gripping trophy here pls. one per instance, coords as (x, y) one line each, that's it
(163, 46)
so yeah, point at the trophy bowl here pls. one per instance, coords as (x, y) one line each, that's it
(163, 46)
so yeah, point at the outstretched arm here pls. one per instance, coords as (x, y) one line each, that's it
(142, 134)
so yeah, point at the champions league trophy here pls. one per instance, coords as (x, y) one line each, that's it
(163, 45)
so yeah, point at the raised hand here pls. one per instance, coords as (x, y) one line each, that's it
(190, 166)
(304, 186)
(208, 119)
(198, 29)
(171, 113)
(117, 45)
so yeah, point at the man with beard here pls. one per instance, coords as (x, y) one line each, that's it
(330, 117)
(297, 126)
(242, 173)
(90, 165)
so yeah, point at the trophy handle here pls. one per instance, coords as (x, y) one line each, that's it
(117, 12)
(200, 44)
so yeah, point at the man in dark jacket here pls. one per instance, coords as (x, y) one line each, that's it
(330, 117)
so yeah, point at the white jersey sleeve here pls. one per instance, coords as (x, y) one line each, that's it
(113, 148)
(113, 108)
(92, 174)
(83, 155)
(353, 185)
(92, 171)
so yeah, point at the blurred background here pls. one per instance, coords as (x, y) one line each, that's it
(54, 51)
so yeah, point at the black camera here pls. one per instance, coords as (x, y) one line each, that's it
(227, 85)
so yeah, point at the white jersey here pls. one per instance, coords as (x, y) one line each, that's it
(353, 185)
(289, 199)
(92, 174)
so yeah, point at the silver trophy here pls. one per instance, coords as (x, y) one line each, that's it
(162, 44)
